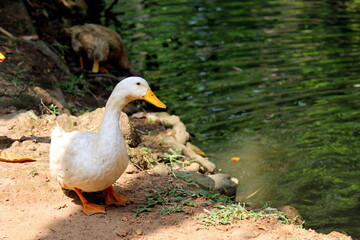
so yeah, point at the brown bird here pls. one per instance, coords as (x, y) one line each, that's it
(99, 44)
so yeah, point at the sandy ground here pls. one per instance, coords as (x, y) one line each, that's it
(33, 206)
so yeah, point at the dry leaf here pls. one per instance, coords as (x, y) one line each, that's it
(2, 57)
(8, 157)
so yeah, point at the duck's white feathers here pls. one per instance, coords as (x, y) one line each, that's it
(93, 161)
(93, 168)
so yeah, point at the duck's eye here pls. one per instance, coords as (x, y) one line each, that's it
(138, 83)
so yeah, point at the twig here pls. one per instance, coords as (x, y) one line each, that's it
(42, 103)
(254, 193)
(6, 33)
(93, 95)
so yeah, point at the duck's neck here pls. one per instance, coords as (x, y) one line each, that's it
(113, 108)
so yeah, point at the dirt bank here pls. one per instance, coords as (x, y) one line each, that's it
(32, 204)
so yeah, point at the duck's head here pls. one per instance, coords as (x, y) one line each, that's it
(136, 88)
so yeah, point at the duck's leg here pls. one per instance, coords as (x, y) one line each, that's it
(89, 208)
(95, 67)
(111, 197)
(81, 63)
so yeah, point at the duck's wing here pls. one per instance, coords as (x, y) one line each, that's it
(68, 151)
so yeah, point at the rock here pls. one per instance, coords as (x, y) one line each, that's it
(190, 153)
(137, 158)
(152, 117)
(194, 148)
(169, 120)
(162, 169)
(124, 232)
(338, 236)
(193, 167)
(204, 162)
(292, 214)
(57, 94)
(139, 232)
(139, 115)
(130, 134)
(180, 134)
(200, 179)
(45, 96)
(162, 114)
(209, 166)
(223, 184)
(131, 169)
(171, 141)
(235, 180)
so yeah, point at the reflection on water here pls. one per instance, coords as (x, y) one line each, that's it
(275, 83)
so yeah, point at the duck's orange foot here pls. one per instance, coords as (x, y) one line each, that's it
(111, 197)
(91, 209)
(103, 70)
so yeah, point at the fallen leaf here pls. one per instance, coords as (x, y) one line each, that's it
(8, 157)
(235, 159)
(2, 57)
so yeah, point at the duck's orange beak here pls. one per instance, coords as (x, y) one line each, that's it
(2, 57)
(151, 98)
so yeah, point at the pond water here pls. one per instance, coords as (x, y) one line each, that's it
(275, 83)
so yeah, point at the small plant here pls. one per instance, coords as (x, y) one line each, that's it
(20, 77)
(150, 120)
(176, 207)
(146, 153)
(33, 172)
(110, 88)
(226, 214)
(174, 157)
(215, 197)
(53, 109)
(62, 48)
(173, 199)
(145, 150)
(75, 85)
(72, 109)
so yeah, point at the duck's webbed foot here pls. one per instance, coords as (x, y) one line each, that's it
(111, 197)
(89, 208)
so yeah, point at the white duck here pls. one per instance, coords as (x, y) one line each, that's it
(92, 162)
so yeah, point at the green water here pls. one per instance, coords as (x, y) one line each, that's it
(276, 83)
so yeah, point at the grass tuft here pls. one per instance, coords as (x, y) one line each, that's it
(226, 214)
